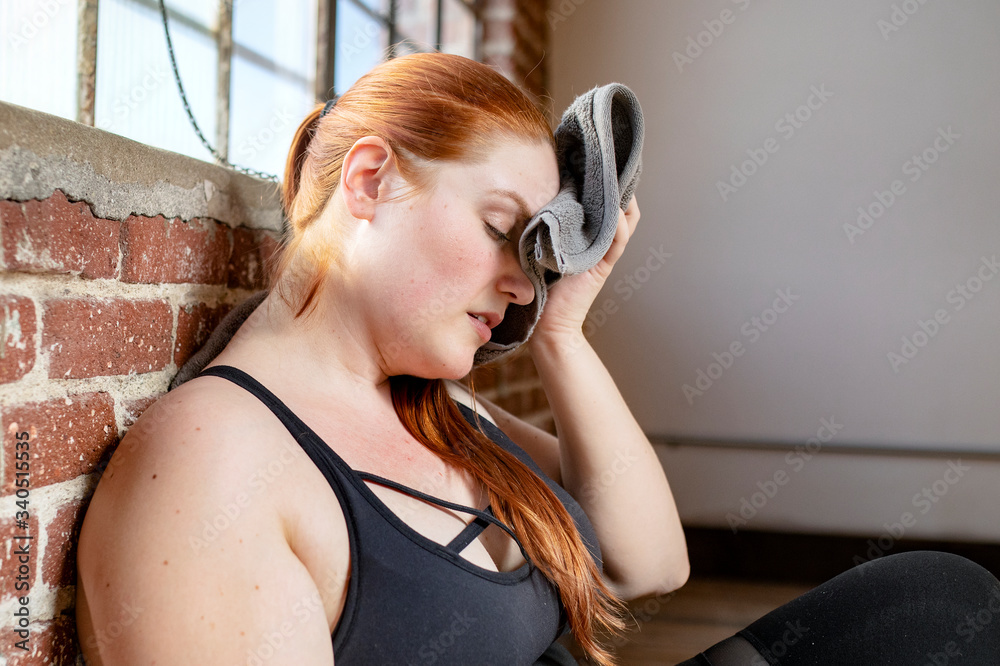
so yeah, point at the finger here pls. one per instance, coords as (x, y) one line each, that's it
(622, 233)
(632, 214)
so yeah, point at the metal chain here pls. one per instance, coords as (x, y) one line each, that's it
(177, 77)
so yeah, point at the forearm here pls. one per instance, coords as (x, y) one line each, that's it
(609, 466)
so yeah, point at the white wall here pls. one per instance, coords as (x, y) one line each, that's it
(880, 96)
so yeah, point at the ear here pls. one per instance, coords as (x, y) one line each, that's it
(366, 176)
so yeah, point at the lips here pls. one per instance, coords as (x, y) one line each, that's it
(483, 327)
(493, 319)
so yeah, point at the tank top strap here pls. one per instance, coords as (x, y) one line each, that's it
(470, 532)
(308, 438)
(293, 423)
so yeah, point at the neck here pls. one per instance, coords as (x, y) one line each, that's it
(324, 354)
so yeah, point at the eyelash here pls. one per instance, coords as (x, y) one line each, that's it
(499, 235)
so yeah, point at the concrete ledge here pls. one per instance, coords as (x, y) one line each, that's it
(119, 177)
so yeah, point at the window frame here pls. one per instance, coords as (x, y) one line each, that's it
(324, 75)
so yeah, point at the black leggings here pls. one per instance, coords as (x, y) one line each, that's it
(920, 608)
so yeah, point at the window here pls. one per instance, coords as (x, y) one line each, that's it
(251, 69)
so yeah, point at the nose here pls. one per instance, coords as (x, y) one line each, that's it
(514, 281)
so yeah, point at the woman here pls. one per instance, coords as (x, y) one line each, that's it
(371, 516)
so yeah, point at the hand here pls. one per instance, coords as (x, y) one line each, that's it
(569, 300)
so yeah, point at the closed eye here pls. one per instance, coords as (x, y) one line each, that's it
(496, 233)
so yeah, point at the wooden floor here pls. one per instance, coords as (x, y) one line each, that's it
(702, 613)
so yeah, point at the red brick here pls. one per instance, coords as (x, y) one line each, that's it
(52, 642)
(10, 586)
(56, 236)
(510, 402)
(248, 261)
(67, 437)
(92, 338)
(158, 250)
(194, 324)
(520, 367)
(59, 561)
(485, 377)
(133, 409)
(18, 338)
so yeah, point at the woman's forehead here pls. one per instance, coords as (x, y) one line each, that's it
(525, 176)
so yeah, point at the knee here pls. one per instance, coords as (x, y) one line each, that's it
(950, 575)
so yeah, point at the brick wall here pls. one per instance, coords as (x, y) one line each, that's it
(116, 262)
(516, 39)
(114, 271)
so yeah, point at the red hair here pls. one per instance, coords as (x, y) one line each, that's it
(433, 107)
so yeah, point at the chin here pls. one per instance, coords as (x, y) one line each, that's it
(445, 366)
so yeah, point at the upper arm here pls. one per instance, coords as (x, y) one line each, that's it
(181, 565)
(543, 447)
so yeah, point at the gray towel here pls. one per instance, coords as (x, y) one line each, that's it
(599, 153)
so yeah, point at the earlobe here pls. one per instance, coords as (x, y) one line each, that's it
(364, 176)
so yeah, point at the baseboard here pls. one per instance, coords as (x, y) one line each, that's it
(807, 558)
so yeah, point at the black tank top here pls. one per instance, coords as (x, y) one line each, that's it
(411, 600)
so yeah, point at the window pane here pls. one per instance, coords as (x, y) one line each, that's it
(38, 56)
(136, 93)
(272, 79)
(265, 111)
(283, 33)
(205, 12)
(458, 29)
(416, 20)
(361, 44)
(380, 6)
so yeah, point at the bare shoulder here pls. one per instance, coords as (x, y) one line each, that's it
(178, 540)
